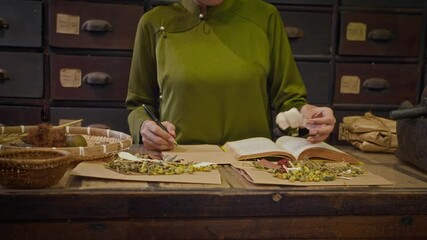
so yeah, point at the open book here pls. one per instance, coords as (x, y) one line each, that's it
(294, 148)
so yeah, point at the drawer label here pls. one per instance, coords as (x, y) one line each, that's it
(67, 24)
(356, 31)
(350, 84)
(70, 78)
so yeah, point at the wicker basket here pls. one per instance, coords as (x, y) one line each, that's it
(32, 168)
(101, 143)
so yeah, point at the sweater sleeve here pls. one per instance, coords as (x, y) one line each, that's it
(143, 87)
(287, 88)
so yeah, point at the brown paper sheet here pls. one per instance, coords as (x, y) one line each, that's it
(262, 177)
(212, 157)
(98, 170)
(195, 148)
(202, 153)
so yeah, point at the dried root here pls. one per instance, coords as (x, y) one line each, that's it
(45, 136)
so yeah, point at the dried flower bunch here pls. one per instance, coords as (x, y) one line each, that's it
(45, 136)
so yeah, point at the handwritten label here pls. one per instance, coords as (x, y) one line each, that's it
(356, 31)
(70, 78)
(350, 84)
(67, 24)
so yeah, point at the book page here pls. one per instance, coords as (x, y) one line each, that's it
(296, 145)
(301, 148)
(253, 147)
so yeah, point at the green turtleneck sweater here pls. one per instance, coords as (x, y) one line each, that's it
(215, 77)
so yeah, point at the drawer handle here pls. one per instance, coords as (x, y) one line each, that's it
(3, 75)
(97, 25)
(3, 24)
(380, 35)
(376, 84)
(97, 78)
(294, 32)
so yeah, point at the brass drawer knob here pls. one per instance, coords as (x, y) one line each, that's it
(97, 25)
(294, 32)
(376, 84)
(3, 24)
(97, 78)
(380, 35)
(3, 75)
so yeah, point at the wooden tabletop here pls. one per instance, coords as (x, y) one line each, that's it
(79, 207)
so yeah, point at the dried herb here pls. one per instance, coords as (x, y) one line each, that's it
(311, 170)
(149, 166)
(45, 136)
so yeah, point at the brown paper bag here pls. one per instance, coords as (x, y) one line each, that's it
(369, 133)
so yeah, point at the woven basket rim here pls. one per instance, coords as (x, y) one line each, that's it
(79, 153)
(64, 158)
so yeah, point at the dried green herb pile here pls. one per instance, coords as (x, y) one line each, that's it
(309, 170)
(149, 166)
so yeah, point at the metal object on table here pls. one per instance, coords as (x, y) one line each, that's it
(411, 128)
(419, 110)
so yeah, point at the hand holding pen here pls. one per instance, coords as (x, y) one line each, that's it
(157, 135)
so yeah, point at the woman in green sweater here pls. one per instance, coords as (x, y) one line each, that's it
(212, 69)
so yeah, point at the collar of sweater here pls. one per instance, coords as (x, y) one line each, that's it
(194, 9)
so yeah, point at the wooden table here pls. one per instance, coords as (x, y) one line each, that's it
(83, 208)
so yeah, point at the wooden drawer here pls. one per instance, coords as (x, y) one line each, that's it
(85, 25)
(20, 23)
(115, 118)
(21, 74)
(302, 2)
(89, 77)
(384, 3)
(425, 76)
(20, 115)
(374, 34)
(317, 78)
(309, 33)
(376, 83)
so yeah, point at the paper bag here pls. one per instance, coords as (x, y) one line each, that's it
(370, 133)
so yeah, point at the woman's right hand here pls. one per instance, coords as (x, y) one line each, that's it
(154, 138)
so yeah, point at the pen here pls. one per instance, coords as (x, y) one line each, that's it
(154, 118)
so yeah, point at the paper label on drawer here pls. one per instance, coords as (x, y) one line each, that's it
(356, 31)
(67, 24)
(70, 77)
(350, 84)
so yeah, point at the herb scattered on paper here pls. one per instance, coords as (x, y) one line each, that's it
(146, 165)
(308, 170)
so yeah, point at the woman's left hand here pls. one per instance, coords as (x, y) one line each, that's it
(319, 120)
